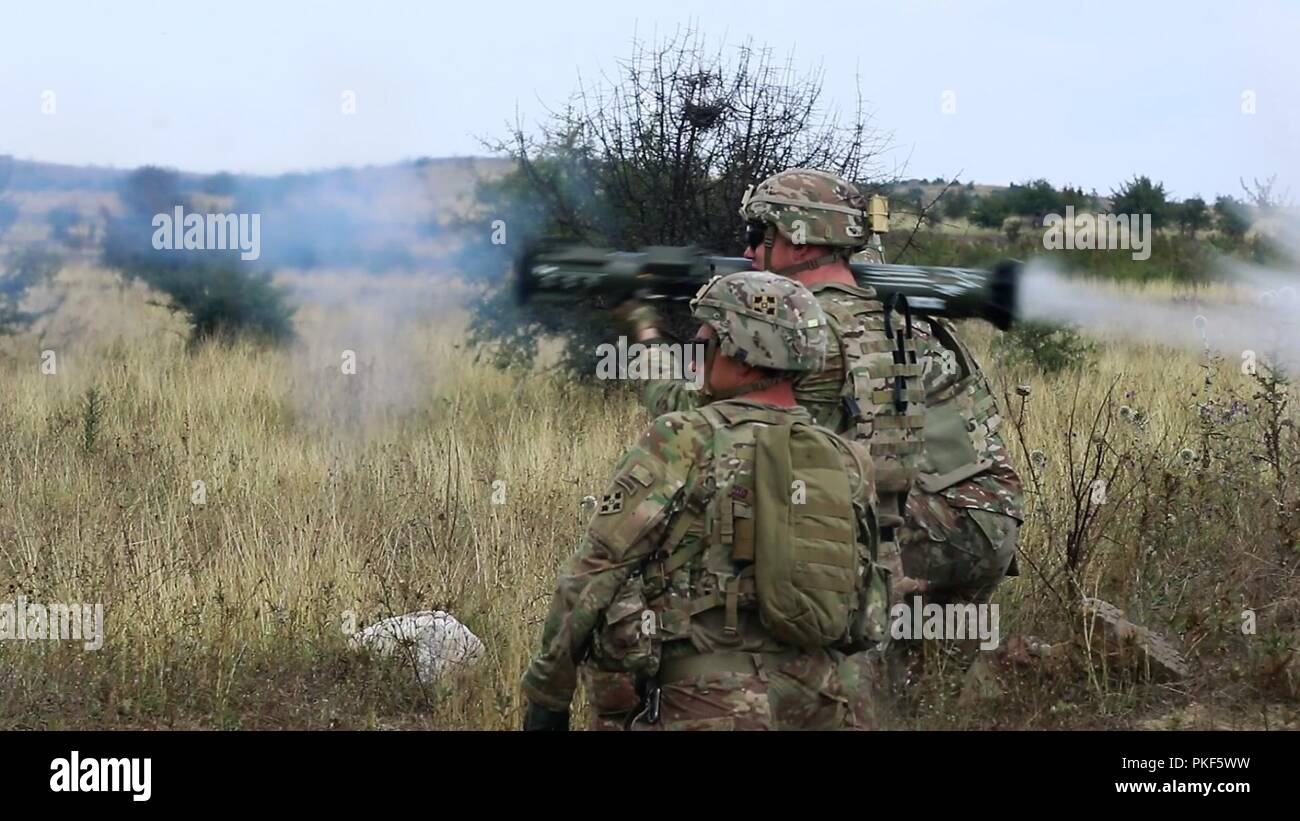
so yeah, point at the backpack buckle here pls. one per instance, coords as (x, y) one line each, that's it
(731, 602)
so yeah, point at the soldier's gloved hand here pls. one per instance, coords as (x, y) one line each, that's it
(538, 718)
(905, 586)
(640, 317)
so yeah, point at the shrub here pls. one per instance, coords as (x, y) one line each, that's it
(220, 294)
(1049, 347)
(18, 273)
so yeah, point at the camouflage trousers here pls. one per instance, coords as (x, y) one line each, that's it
(825, 690)
(962, 553)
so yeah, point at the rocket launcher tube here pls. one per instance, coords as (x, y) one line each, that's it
(561, 273)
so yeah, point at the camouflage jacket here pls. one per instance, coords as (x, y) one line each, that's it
(965, 459)
(660, 491)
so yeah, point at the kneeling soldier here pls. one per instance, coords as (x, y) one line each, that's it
(731, 567)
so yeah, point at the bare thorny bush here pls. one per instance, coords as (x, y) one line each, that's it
(1193, 530)
(659, 153)
(672, 142)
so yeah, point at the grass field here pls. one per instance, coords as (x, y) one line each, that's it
(328, 496)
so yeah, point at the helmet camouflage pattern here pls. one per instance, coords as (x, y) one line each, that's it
(809, 207)
(764, 320)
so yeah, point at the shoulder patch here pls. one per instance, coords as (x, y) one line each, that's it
(641, 495)
(611, 503)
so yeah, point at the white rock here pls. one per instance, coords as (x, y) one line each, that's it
(440, 643)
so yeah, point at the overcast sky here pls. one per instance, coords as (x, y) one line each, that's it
(1087, 93)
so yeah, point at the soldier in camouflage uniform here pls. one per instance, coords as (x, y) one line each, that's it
(669, 607)
(950, 500)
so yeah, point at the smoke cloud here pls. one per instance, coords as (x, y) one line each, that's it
(1253, 312)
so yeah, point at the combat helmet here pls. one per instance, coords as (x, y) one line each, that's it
(764, 320)
(808, 207)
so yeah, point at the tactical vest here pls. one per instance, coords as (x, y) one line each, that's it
(789, 573)
(882, 399)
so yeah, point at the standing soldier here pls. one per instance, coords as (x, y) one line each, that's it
(950, 500)
(730, 567)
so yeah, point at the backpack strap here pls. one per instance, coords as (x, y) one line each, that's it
(702, 502)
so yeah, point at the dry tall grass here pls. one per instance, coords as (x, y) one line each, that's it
(371, 494)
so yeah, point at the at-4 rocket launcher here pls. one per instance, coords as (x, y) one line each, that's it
(555, 272)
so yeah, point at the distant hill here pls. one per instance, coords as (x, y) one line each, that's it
(26, 176)
(372, 216)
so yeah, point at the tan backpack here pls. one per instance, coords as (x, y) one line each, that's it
(810, 570)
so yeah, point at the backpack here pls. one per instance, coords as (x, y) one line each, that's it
(801, 545)
(808, 567)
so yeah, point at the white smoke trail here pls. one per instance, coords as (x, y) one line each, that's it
(1254, 313)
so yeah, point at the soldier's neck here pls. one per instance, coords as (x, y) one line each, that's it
(835, 272)
(781, 394)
